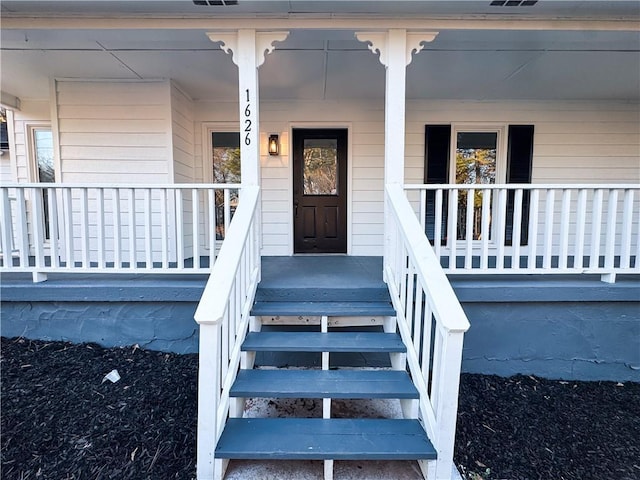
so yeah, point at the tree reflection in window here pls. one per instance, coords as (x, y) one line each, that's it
(476, 154)
(226, 169)
(320, 166)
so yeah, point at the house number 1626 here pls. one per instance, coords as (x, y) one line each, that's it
(247, 121)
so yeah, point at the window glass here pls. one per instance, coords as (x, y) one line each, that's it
(226, 157)
(225, 164)
(320, 166)
(43, 149)
(476, 163)
(476, 154)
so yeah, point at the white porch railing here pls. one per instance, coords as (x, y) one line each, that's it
(431, 323)
(115, 229)
(531, 228)
(223, 315)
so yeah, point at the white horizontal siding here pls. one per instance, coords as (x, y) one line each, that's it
(575, 142)
(112, 132)
(182, 135)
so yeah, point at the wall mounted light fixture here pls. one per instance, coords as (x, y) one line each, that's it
(274, 145)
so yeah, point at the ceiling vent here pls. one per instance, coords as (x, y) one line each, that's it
(215, 3)
(513, 3)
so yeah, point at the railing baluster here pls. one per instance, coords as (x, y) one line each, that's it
(533, 229)
(180, 227)
(609, 249)
(7, 228)
(212, 227)
(423, 210)
(548, 229)
(54, 242)
(596, 229)
(84, 228)
(148, 219)
(468, 254)
(22, 227)
(117, 229)
(133, 257)
(227, 210)
(501, 227)
(100, 227)
(427, 328)
(485, 233)
(195, 237)
(581, 221)
(437, 235)
(625, 240)
(452, 233)
(67, 208)
(565, 219)
(164, 230)
(417, 317)
(516, 231)
(37, 225)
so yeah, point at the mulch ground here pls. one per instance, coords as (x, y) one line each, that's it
(59, 420)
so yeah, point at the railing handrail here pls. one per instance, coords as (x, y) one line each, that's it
(211, 307)
(446, 304)
(515, 186)
(127, 186)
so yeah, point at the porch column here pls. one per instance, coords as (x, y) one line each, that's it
(395, 47)
(248, 49)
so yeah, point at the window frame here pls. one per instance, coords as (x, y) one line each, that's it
(501, 147)
(208, 129)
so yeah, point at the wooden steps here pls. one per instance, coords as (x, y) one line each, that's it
(281, 383)
(330, 309)
(323, 342)
(318, 439)
(325, 302)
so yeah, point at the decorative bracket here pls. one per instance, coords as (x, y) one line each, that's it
(379, 42)
(230, 43)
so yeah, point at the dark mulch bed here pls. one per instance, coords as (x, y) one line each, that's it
(60, 422)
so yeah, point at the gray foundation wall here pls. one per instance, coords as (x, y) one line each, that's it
(573, 328)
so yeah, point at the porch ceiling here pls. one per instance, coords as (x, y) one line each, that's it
(332, 64)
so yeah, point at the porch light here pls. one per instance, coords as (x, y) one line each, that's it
(274, 145)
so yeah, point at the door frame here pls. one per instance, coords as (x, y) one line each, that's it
(348, 126)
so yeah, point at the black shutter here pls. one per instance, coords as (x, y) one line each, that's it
(519, 165)
(436, 170)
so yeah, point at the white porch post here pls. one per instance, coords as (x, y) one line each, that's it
(248, 49)
(395, 47)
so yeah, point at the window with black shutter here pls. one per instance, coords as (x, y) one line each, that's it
(477, 154)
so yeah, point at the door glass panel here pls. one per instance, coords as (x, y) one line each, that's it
(476, 154)
(320, 166)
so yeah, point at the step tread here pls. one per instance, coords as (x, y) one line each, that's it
(317, 439)
(332, 309)
(286, 383)
(323, 342)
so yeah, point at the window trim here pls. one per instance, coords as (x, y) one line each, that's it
(209, 128)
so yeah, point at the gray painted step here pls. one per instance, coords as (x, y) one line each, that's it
(323, 342)
(333, 309)
(322, 293)
(317, 439)
(323, 384)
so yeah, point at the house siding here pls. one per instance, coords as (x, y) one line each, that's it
(182, 135)
(113, 132)
(574, 142)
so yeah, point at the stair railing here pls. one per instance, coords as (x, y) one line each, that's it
(431, 322)
(223, 315)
